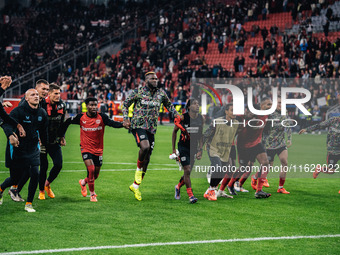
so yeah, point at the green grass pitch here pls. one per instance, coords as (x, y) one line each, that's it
(71, 221)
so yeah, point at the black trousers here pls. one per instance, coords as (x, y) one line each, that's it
(20, 175)
(218, 170)
(54, 150)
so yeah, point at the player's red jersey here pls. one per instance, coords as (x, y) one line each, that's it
(91, 131)
(92, 134)
(251, 136)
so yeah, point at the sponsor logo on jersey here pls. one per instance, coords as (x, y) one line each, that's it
(193, 130)
(92, 129)
(150, 103)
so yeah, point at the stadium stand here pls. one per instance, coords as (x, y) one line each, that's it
(200, 40)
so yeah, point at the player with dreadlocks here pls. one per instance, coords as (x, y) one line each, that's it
(189, 144)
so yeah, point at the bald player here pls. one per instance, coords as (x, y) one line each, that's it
(23, 153)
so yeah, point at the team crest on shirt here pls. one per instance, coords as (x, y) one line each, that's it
(98, 121)
(39, 118)
(183, 158)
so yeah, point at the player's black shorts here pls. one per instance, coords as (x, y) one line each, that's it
(142, 134)
(232, 154)
(333, 160)
(272, 152)
(97, 160)
(185, 156)
(249, 154)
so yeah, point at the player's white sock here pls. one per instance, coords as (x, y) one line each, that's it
(280, 187)
(136, 186)
(139, 169)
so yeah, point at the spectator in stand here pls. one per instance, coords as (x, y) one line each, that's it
(220, 46)
(264, 33)
(236, 63)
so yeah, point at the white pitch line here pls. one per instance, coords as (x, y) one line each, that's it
(109, 163)
(256, 239)
(108, 170)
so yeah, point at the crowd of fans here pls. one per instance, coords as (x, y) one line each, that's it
(53, 28)
(173, 36)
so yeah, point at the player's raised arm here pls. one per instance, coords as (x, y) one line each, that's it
(72, 120)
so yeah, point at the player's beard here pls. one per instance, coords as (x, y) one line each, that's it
(152, 87)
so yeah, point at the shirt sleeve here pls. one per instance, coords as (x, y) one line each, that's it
(3, 114)
(62, 119)
(208, 134)
(321, 125)
(43, 130)
(289, 134)
(69, 121)
(129, 101)
(8, 128)
(168, 105)
(109, 122)
(2, 91)
(7, 118)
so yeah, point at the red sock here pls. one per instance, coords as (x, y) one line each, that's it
(242, 181)
(189, 191)
(282, 182)
(225, 181)
(181, 183)
(260, 182)
(244, 178)
(90, 179)
(231, 182)
(86, 180)
(140, 164)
